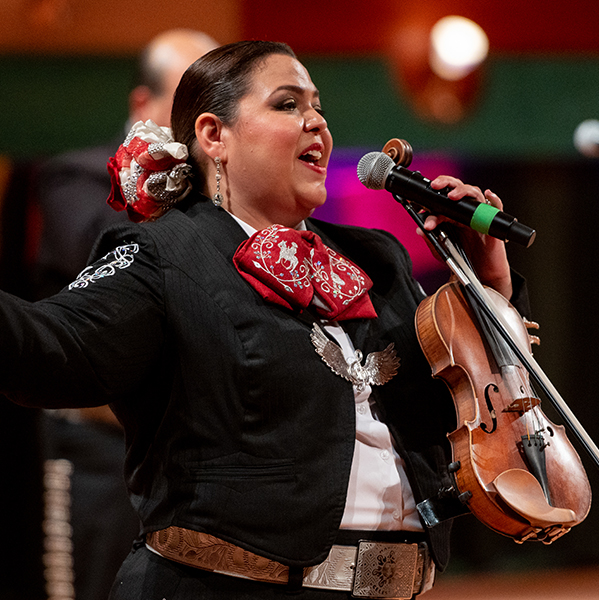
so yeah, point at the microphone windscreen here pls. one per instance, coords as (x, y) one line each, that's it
(373, 169)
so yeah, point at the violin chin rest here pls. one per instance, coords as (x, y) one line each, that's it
(521, 491)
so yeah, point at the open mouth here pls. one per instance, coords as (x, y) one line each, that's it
(312, 157)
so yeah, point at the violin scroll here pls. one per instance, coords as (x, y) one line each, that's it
(400, 152)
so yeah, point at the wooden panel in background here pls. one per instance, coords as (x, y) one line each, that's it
(107, 26)
(357, 27)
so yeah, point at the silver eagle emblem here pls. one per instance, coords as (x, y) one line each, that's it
(378, 368)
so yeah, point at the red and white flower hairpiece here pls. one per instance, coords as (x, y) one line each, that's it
(148, 172)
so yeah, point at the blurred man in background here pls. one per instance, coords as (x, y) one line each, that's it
(73, 187)
(72, 190)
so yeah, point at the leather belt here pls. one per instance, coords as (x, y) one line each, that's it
(368, 570)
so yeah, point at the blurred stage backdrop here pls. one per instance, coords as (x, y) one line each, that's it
(66, 68)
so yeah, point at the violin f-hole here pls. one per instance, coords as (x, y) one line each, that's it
(491, 409)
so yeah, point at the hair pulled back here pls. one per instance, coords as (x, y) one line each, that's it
(215, 83)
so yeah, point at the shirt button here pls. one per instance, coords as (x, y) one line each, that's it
(385, 454)
(396, 515)
(361, 409)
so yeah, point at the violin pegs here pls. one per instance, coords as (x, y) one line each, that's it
(454, 466)
(465, 497)
(532, 339)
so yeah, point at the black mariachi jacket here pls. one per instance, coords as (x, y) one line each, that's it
(234, 425)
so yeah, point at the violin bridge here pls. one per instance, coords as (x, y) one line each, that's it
(522, 405)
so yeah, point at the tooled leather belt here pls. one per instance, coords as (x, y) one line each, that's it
(368, 569)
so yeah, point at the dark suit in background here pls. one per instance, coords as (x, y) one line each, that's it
(59, 210)
(71, 195)
(72, 190)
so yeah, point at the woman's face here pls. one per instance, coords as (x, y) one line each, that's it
(278, 148)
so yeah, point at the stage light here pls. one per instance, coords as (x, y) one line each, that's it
(458, 47)
(438, 64)
(586, 138)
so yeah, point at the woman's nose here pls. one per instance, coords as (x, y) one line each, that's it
(315, 121)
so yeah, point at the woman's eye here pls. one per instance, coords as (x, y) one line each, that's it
(287, 105)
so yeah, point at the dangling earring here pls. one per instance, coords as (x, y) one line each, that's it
(217, 199)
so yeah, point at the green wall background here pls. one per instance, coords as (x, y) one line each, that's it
(528, 106)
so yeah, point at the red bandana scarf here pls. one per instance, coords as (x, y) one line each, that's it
(290, 267)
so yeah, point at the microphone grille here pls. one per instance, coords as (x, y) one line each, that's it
(373, 169)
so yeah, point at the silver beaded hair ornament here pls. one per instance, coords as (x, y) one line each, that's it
(149, 173)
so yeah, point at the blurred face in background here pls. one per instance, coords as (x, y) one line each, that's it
(166, 59)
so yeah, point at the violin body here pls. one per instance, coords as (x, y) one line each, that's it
(515, 470)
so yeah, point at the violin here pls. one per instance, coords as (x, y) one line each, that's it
(513, 468)
(516, 470)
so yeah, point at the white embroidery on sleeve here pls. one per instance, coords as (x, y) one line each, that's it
(120, 258)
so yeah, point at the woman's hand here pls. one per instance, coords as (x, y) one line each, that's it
(487, 254)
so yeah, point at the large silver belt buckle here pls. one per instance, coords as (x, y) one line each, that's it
(385, 570)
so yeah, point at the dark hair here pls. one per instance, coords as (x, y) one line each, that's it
(215, 83)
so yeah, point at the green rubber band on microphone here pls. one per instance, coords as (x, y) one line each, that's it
(483, 217)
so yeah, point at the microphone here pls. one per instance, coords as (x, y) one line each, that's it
(376, 170)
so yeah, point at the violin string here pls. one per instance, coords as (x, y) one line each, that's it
(533, 422)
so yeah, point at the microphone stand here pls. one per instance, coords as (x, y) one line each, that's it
(475, 290)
